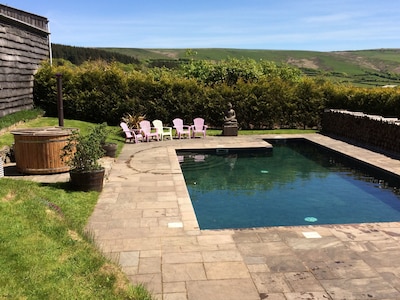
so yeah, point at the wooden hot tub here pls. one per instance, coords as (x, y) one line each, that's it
(38, 150)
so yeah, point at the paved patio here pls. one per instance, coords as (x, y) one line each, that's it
(144, 220)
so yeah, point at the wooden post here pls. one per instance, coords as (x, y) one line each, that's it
(60, 101)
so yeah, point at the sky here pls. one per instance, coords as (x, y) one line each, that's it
(317, 25)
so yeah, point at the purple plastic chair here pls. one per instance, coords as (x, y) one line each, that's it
(130, 134)
(181, 129)
(199, 127)
(148, 132)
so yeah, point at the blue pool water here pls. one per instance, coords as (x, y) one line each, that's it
(296, 183)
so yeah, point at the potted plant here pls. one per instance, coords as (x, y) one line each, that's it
(81, 154)
(102, 132)
(133, 120)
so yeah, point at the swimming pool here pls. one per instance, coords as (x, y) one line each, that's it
(296, 183)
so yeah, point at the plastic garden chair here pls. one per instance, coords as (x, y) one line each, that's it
(148, 132)
(130, 134)
(181, 129)
(199, 127)
(162, 130)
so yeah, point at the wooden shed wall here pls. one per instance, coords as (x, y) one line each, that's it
(23, 46)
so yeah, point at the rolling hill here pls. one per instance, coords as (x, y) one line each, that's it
(376, 67)
(381, 60)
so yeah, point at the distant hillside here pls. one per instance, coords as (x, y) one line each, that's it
(78, 55)
(363, 67)
(382, 60)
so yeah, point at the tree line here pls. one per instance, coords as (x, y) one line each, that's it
(78, 55)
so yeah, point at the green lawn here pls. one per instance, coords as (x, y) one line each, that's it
(115, 136)
(45, 251)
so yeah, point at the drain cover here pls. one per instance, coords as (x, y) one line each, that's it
(311, 219)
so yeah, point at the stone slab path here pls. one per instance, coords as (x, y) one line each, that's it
(144, 220)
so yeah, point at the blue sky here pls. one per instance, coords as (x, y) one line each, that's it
(320, 25)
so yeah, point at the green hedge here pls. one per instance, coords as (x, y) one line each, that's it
(264, 95)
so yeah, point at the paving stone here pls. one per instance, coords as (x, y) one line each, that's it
(183, 272)
(150, 265)
(179, 257)
(378, 245)
(307, 244)
(143, 243)
(269, 236)
(323, 270)
(307, 296)
(285, 263)
(273, 296)
(174, 296)
(358, 233)
(181, 241)
(267, 282)
(264, 249)
(361, 288)
(215, 239)
(175, 287)
(129, 258)
(352, 269)
(234, 289)
(313, 255)
(382, 259)
(251, 260)
(226, 270)
(223, 255)
(303, 282)
(244, 237)
(257, 268)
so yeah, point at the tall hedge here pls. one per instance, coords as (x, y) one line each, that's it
(264, 95)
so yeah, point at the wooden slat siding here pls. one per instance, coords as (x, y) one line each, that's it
(25, 17)
(20, 91)
(23, 46)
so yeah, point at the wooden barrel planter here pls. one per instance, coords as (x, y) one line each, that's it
(87, 181)
(110, 149)
(38, 150)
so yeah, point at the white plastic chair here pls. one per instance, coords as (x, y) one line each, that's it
(162, 130)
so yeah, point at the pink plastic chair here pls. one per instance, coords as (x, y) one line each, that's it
(148, 132)
(199, 127)
(181, 129)
(130, 134)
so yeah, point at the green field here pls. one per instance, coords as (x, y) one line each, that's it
(363, 68)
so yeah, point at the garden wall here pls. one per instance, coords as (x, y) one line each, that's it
(370, 130)
(24, 44)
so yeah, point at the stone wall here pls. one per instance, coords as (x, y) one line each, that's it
(24, 44)
(369, 130)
